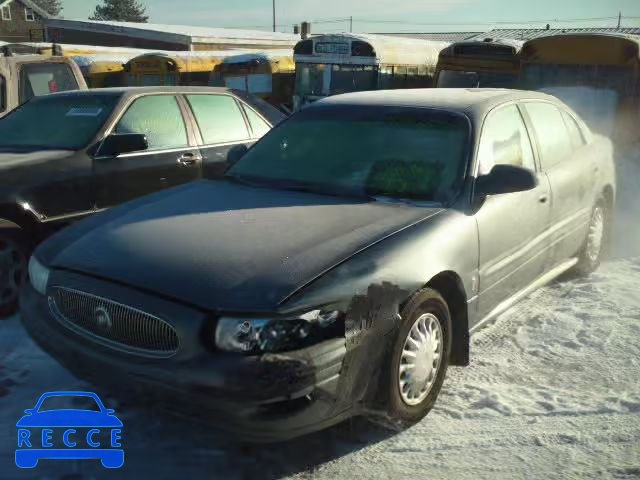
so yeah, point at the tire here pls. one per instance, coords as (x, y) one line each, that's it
(407, 405)
(590, 254)
(14, 257)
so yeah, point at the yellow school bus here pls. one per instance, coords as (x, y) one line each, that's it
(267, 74)
(173, 68)
(597, 74)
(102, 70)
(479, 63)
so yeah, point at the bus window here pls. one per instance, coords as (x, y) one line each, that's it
(461, 79)
(352, 78)
(44, 78)
(385, 77)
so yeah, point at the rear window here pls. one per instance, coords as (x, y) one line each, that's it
(43, 78)
(67, 122)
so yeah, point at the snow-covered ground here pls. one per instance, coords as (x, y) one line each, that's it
(553, 391)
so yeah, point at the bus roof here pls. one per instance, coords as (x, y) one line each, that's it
(388, 49)
(533, 47)
(260, 56)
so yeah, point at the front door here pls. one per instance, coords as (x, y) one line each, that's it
(512, 240)
(170, 160)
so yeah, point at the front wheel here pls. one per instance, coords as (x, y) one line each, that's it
(590, 255)
(420, 357)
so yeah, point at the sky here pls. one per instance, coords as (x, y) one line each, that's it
(382, 15)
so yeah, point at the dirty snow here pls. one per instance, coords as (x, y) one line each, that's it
(553, 391)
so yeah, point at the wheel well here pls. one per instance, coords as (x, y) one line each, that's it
(450, 286)
(14, 216)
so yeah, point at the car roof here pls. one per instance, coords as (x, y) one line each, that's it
(131, 91)
(473, 102)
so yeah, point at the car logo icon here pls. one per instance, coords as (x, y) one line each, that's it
(102, 318)
(51, 431)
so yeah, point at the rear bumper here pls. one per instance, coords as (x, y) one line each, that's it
(258, 398)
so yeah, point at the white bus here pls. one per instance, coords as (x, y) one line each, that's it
(332, 64)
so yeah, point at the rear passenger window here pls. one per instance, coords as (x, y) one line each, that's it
(159, 118)
(504, 141)
(577, 140)
(258, 125)
(551, 133)
(219, 118)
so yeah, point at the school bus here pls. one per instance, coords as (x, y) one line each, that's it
(332, 64)
(102, 70)
(597, 74)
(173, 68)
(479, 63)
(267, 74)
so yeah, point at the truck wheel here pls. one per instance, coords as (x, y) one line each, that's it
(13, 269)
(591, 252)
(420, 357)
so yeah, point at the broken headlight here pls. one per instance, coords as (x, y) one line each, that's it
(270, 335)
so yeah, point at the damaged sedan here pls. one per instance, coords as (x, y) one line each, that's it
(337, 269)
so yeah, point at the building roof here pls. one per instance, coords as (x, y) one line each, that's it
(177, 33)
(530, 33)
(442, 36)
(32, 5)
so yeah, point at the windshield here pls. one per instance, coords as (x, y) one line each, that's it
(65, 402)
(394, 152)
(43, 78)
(310, 78)
(67, 122)
(465, 79)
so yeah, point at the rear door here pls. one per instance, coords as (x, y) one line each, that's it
(221, 124)
(513, 244)
(172, 158)
(564, 158)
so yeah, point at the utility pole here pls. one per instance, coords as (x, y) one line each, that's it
(619, 19)
(350, 24)
(274, 15)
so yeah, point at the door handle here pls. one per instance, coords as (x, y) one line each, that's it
(543, 198)
(187, 159)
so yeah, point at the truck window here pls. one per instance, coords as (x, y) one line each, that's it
(504, 141)
(3, 94)
(43, 78)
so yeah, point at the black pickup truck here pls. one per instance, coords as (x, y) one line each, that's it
(68, 155)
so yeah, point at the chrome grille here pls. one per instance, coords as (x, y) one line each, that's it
(113, 324)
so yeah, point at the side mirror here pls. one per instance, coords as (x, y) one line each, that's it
(235, 153)
(118, 143)
(505, 179)
(29, 411)
(109, 411)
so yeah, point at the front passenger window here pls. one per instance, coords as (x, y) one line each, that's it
(504, 141)
(159, 118)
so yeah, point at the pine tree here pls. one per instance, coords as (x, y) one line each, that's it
(120, 11)
(53, 7)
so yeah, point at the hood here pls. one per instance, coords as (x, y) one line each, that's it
(224, 246)
(18, 169)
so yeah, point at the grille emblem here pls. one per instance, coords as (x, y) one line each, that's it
(103, 319)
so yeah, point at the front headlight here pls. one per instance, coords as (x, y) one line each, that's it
(39, 275)
(270, 335)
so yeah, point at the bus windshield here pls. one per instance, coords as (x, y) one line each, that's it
(320, 79)
(468, 79)
(594, 91)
